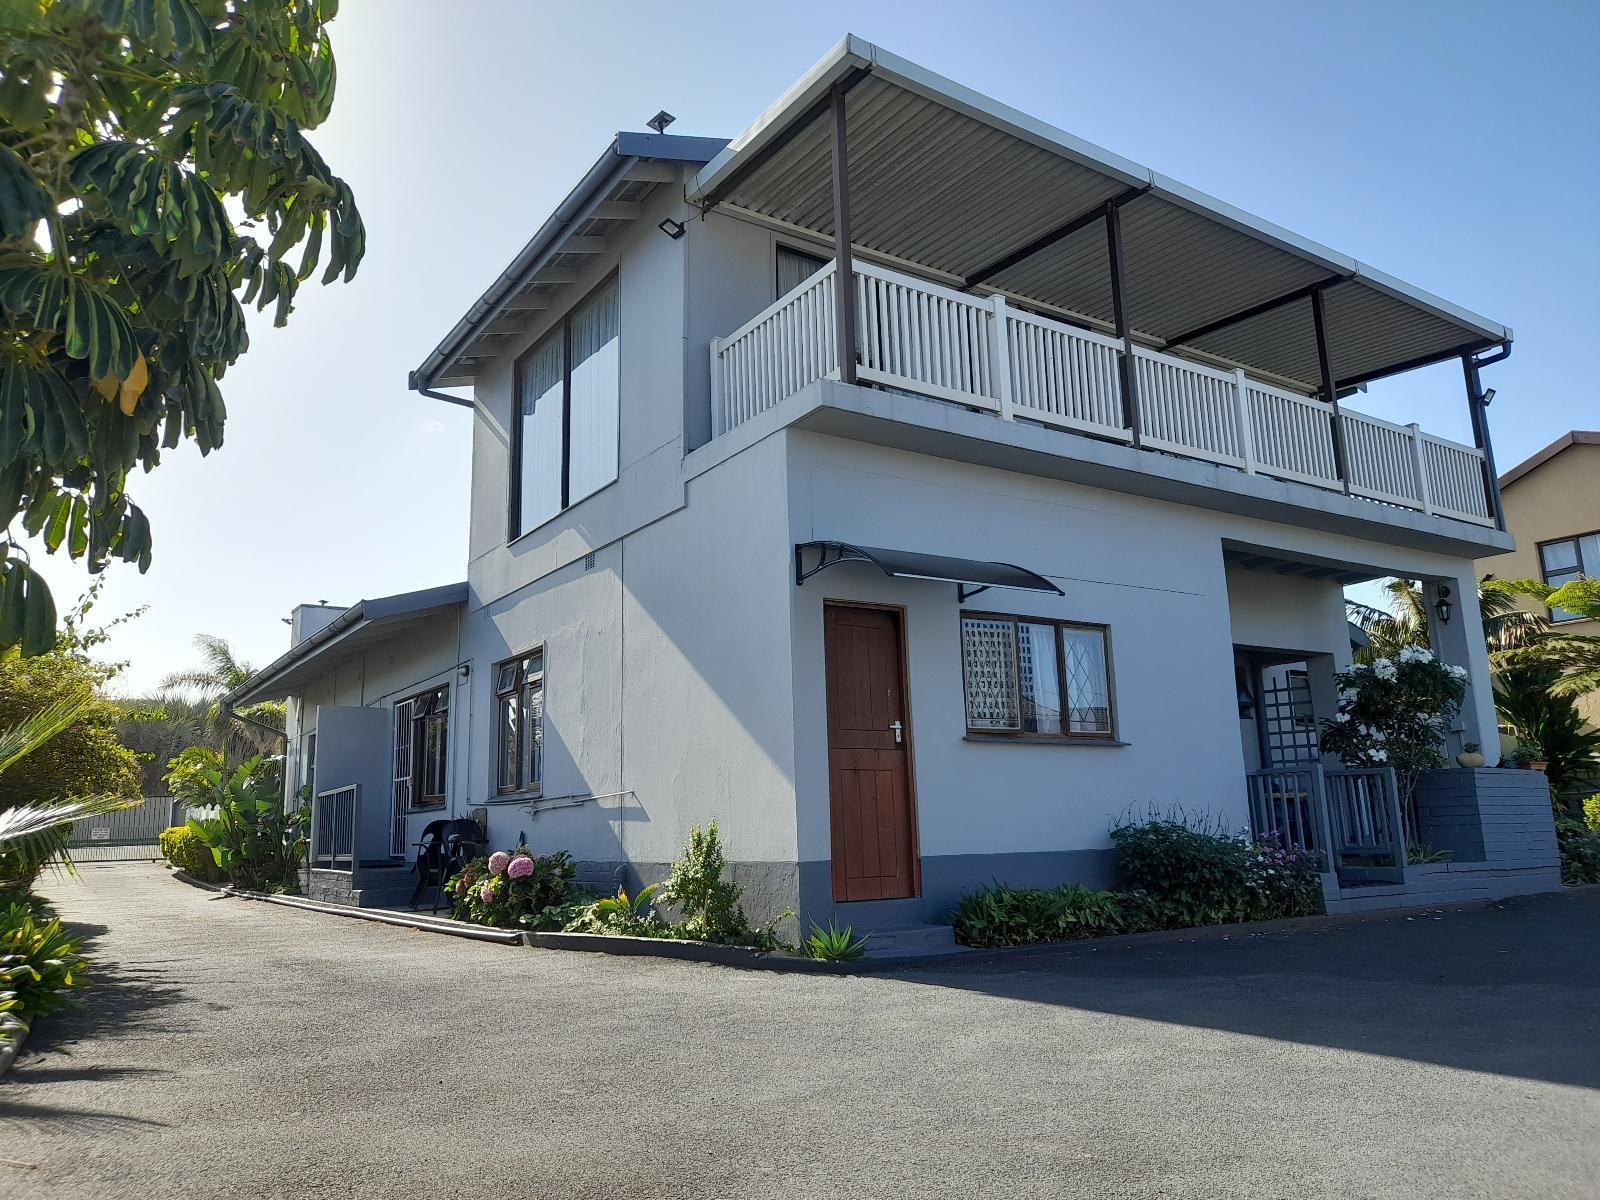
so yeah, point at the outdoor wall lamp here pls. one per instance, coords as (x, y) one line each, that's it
(1442, 605)
(673, 229)
(1247, 705)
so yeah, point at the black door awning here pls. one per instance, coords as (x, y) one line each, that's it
(970, 575)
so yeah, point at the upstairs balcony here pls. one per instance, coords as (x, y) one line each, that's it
(987, 354)
(1008, 267)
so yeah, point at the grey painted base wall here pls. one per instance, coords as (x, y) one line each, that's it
(769, 888)
(1490, 815)
(944, 878)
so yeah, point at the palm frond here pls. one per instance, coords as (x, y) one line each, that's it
(30, 822)
(27, 736)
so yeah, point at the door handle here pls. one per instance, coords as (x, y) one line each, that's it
(899, 731)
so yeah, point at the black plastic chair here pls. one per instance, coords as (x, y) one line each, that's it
(446, 846)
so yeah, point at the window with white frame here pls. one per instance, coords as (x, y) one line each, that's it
(564, 430)
(1032, 677)
(519, 723)
(1568, 559)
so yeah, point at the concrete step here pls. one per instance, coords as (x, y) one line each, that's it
(910, 941)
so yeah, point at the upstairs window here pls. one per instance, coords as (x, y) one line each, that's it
(795, 267)
(1571, 558)
(564, 432)
(519, 723)
(1031, 677)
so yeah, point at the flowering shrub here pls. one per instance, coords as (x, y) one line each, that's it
(1184, 871)
(1394, 713)
(514, 890)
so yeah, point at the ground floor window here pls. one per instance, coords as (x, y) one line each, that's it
(421, 749)
(1026, 675)
(519, 723)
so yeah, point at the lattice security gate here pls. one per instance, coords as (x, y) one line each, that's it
(1288, 723)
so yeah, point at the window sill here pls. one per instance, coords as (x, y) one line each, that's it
(426, 808)
(1002, 740)
(514, 798)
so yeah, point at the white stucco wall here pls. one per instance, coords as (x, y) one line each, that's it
(1152, 571)
(666, 681)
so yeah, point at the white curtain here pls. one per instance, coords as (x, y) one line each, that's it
(539, 394)
(595, 393)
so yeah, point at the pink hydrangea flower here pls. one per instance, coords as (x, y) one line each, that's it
(521, 867)
(498, 861)
(486, 892)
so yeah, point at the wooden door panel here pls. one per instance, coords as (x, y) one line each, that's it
(869, 773)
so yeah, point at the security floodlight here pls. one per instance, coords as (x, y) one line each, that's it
(673, 229)
(661, 120)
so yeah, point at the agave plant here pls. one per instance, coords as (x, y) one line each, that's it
(834, 944)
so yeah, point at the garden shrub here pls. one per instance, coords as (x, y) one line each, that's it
(709, 903)
(187, 851)
(1007, 916)
(515, 889)
(1591, 813)
(39, 961)
(1182, 873)
(1580, 852)
(254, 839)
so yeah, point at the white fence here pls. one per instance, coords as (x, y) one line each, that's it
(935, 341)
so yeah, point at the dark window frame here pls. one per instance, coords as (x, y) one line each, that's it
(1058, 623)
(562, 328)
(1544, 572)
(779, 247)
(521, 688)
(430, 706)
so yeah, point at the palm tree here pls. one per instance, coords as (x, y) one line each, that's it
(223, 671)
(1506, 625)
(1574, 656)
(158, 728)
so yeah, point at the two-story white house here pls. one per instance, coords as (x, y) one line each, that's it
(915, 582)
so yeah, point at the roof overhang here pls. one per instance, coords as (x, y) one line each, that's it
(970, 575)
(361, 626)
(949, 183)
(609, 196)
(1576, 437)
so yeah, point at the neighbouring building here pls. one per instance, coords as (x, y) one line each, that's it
(1552, 508)
(919, 582)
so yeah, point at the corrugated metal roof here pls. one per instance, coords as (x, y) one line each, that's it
(947, 179)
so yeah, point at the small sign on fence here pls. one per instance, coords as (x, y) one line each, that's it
(100, 833)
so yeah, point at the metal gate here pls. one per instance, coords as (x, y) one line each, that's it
(1288, 723)
(128, 835)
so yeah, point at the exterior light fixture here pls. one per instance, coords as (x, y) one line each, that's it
(1488, 397)
(1247, 705)
(673, 229)
(661, 120)
(1442, 605)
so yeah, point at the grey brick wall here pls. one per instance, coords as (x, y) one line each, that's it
(1488, 815)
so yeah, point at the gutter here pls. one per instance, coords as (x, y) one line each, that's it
(345, 620)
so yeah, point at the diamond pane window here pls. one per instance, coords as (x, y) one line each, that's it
(989, 660)
(1036, 678)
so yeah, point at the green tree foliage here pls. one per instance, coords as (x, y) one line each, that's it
(1574, 656)
(125, 126)
(1549, 726)
(1506, 624)
(82, 759)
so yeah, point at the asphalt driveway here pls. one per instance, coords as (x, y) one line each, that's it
(241, 1050)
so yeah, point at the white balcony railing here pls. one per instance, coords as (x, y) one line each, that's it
(981, 353)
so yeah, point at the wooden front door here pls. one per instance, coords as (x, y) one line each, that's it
(869, 762)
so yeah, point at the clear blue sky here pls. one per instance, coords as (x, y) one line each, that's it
(1456, 146)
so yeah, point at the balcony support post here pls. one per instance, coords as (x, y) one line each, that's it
(1330, 392)
(1127, 370)
(1478, 409)
(844, 275)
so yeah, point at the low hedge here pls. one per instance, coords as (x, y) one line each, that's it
(1579, 845)
(1181, 875)
(187, 851)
